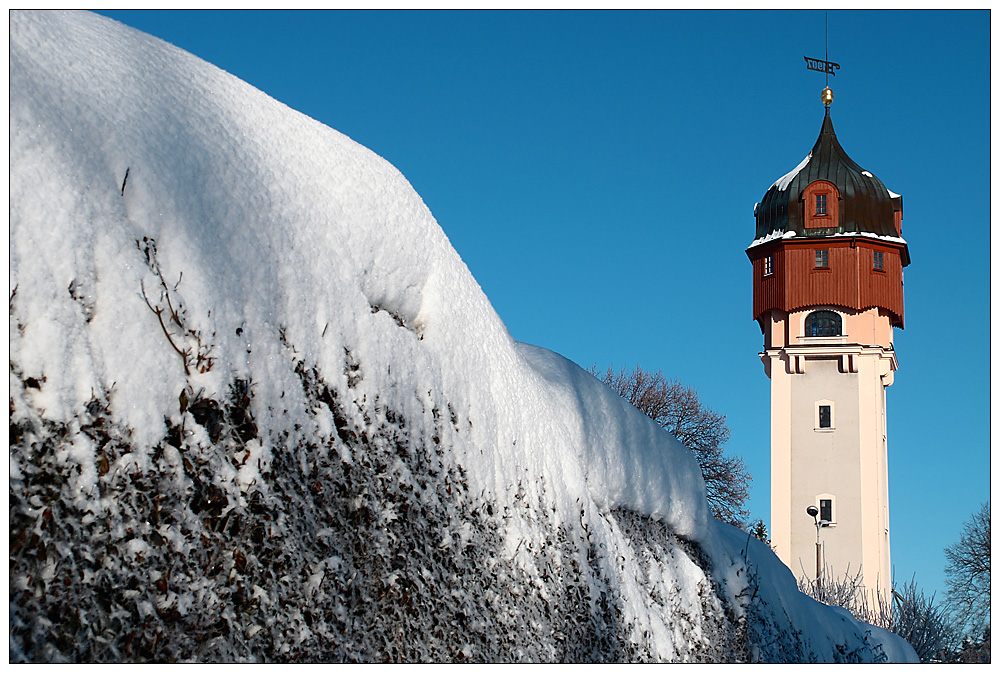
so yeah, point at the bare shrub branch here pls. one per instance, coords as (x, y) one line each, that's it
(196, 354)
(908, 613)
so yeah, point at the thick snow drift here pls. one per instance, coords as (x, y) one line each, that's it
(222, 301)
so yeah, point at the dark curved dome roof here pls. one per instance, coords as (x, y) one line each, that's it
(866, 206)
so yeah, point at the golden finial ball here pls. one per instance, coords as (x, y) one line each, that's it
(827, 96)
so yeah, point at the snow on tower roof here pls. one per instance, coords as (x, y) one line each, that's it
(866, 206)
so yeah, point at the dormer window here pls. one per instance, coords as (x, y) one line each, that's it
(820, 203)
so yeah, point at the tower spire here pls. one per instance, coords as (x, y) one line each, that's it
(826, 17)
(827, 93)
(826, 66)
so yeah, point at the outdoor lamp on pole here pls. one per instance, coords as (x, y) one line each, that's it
(813, 511)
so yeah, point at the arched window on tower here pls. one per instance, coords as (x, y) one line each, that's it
(823, 323)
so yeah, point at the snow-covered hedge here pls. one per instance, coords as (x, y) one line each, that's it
(260, 410)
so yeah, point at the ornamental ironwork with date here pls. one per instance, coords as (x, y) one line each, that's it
(822, 66)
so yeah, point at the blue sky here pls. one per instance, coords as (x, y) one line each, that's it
(597, 172)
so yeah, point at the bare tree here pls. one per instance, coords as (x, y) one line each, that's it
(968, 573)
(926, 626)
(677, 409)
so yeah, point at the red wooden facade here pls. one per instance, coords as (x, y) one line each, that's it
(850, 278)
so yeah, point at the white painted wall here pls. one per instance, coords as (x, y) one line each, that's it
(846, 463)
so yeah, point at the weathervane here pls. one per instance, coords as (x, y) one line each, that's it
(825, 66)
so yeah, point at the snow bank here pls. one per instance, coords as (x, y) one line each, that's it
(262, 230)
(216, 295)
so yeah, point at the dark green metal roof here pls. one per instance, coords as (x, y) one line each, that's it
(866, 206)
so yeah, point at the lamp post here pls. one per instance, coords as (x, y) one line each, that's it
(813, 511)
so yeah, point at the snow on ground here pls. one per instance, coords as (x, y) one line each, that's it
(196, 267)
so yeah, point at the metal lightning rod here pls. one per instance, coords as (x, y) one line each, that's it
(825, 66)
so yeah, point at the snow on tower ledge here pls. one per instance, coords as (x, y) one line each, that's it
(261, 410)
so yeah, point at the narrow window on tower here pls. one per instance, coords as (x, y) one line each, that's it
(768, 265)
(878, 262)
(821, 204)
(826, 510)
(822, 260)
(824, 416)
